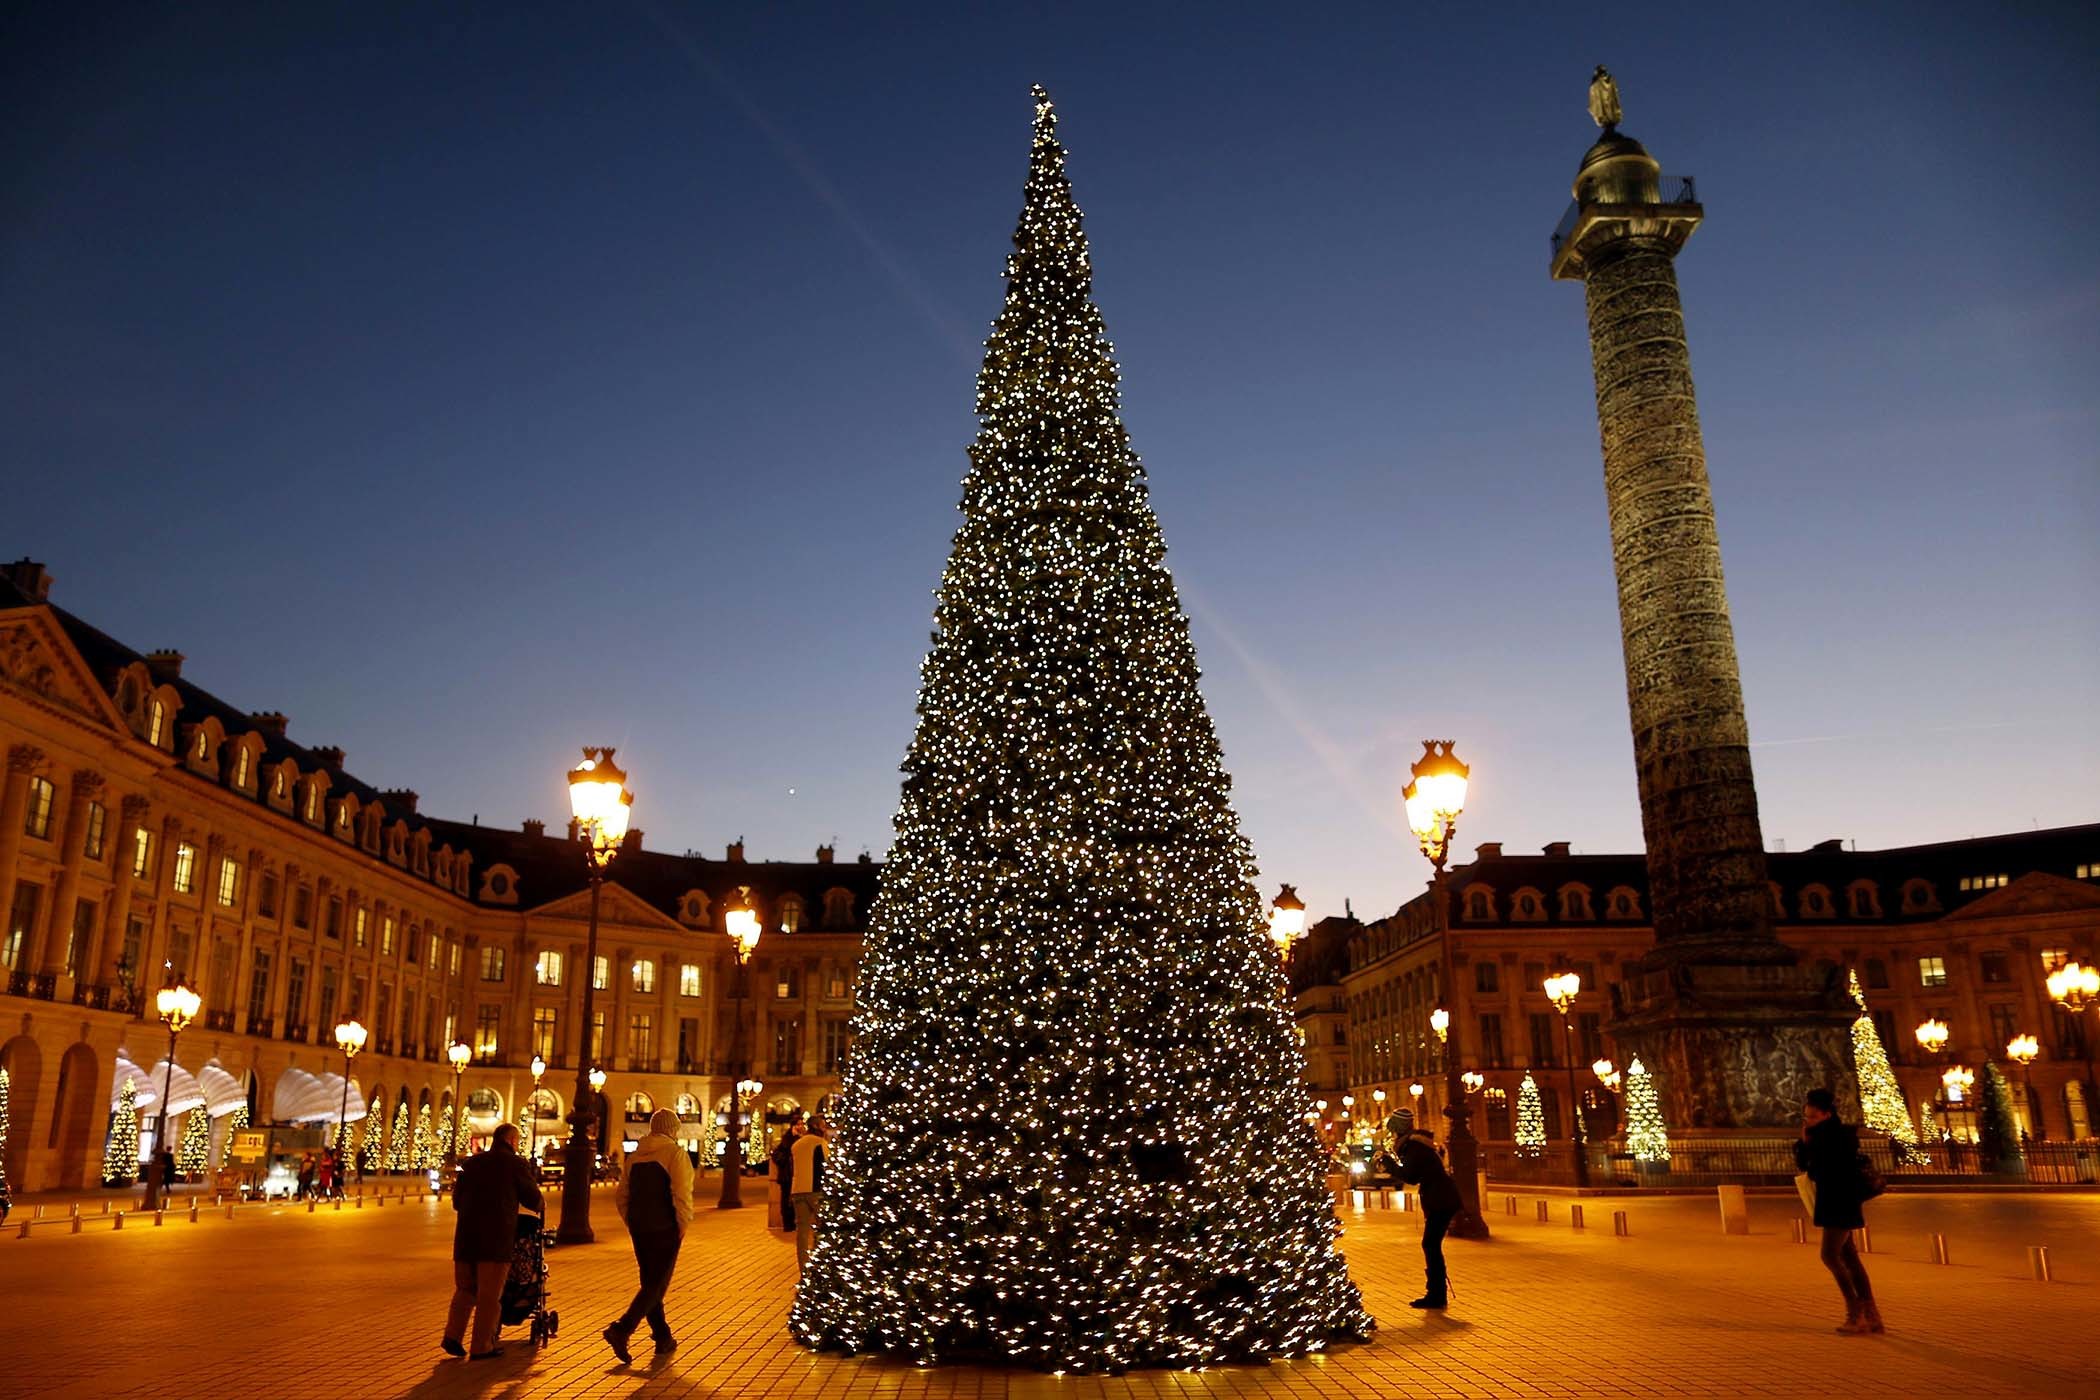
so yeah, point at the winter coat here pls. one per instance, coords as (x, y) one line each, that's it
(656, 1194)
(1829, 1153)
(487, 1194)
(1419, 1165)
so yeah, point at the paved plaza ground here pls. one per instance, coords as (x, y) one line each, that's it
(281, 1302)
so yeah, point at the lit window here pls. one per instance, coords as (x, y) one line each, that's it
(1932, 972)
(97, 818)
(787, 984)
(36, 821)
(185, 868)
(202, 745)
(229, 881)
(277, 785)
(601, 973)
(141, 853)
(313, 803)
(547, 970)
(240, 767)
(689, 979)
(2053, 959)
(644, 974)
(790, 914)
(2089, 872)
(451, 959)
(543, 1025)
(359, 925)
(492, 964)
(157, 723)
(386, 936)
(836, 987)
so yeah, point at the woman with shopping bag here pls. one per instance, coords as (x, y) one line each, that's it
(1834, 1185)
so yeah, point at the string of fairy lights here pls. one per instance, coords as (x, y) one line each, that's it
(1072, 1131)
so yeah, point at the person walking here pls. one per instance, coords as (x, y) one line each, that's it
(306, 1175)
(1416, 1161)
(808, 1179)
(656, 1201)
(324, 1175)
(784, 1169)
(487, 1194)
(1828, 1153)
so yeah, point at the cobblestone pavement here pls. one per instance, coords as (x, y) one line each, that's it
(350, 1303)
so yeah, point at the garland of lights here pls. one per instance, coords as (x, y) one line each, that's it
(1531, 1119)
(1647, 1136)
(120, 1159)
(1881, 1102)
(193, 1157)
(4, 1109)
(445, 1132)
(1072, 1129)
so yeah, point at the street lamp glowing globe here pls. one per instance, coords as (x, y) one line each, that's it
(1957, 1081)
(600, 801)
(2072, 986)
(598, 1080)
(539, 1067)
(740, 921)
(459, 1054)
(1434, 797)
(1440, 1022)
(1474, 1081)
(350, 1037)
(2023, 1048)
(178, 1005)
(1286, 919)
(1932, 1035)
(1561, 990)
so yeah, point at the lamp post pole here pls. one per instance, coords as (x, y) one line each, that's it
(539, 1067)
(2022, 1049)
(178, 1006)
(740, 921)
(1561, 989)
(349, 1038)
(459, 1053)
(1434, 797)
(599, 798)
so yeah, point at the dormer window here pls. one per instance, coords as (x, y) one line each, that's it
(692, 909)
(790, 913)
(312, 811)
(278, 785)
(1623, 903)
(157, 722)
(203, 747)
(1480, 904)
(242, 762)
(1864, 900)
(838, 908)
(1526, 906)
(1816, 903)
(1575, 903)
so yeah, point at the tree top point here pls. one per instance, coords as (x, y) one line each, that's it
(1045, 117)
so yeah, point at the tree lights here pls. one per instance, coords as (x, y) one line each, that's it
(1072, 1133)
(1647, 1137)
(120, 1159)
(1881, 1103)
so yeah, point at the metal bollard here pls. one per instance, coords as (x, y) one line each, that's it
(1939, 1250)
(309, 1205)
(76, 1222)
(2038, 1263)
(1800, 1230)
(229, 1210)
(1575, 1217)
(1619, 1225)
(1511, 1203)
(193, 1210)
(76, 1210)
(119, 1222)
(1542, 1212)
(160, 1218)
(25, 1229)
(1866, 1241)
(339, 1203)
(360, 1201)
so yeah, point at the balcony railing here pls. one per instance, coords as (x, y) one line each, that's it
(1675, 189)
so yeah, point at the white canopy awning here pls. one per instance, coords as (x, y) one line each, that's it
(147, 1090)
(301, 1097)
(181, 1086)
(222, 1092)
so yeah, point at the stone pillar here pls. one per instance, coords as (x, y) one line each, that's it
(132, 813)
(151, 974)
(22, 760)
(621, 974)
(72, 848)
(1734, 1029)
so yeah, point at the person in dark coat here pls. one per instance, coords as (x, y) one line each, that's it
(1415, 1160)
(1829, 1153)
(656, 1201)
(784, 1169)
(490, 1190)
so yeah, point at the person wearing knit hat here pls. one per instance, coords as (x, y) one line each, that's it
(656, 1201)
(1415, 1160)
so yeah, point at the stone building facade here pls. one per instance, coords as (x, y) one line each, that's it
(150, 830)
(1964, 932)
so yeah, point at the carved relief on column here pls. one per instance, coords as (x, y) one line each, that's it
(24, 758)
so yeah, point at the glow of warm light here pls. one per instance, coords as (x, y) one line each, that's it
(459, 1054)
(2023, 1048)
(1562, 988)
(1473, 1080)
(1320, 1104)
(1415, 1091)
(1348, 1101)
(1378, 1096)
(1440, 1022)
(539, 1067)
(749, 1088)
(1932, 1034)
(1434, 797)
(1957, 1081)
(740, 922)
(1607, 1073)
(599, 798)
(178, 1005)
(2073, 985)
(597, 1079)
(350, 1037)
(1286, 919)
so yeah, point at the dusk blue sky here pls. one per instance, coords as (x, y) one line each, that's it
(475, 382)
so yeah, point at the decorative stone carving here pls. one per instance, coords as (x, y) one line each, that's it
(88, 785)
(24, 758)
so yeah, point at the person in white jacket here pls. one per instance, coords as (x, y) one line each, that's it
(656, 1201)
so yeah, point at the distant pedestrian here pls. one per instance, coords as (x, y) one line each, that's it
(488, 1193)
(808, 1178)
(1828, 1153)
(1415, 1161)
(324, 1176)
(656, 1201)
(306, 1176)
(784, 1169)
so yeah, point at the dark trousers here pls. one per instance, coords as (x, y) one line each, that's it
(655, 1255)
(1434, 1224)
(1841, 1257)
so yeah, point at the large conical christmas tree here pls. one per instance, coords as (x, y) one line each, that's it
(1881, 1104)
(1072, 1131)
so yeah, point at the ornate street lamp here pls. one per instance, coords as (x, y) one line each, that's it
(740, 921)
(459, 1052)
(2021, 1050)
(1607, 1074)
(600, 801)
(1286, 921)
(538, 1067)
(1932, 1035)
(1434, 797)
(178, 1006)
(1955, 1083)
(2075, 987)
(350, 1037)
(1440, 1022)
(1561, 989)
(1473, 1081)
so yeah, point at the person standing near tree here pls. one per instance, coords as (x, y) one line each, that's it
(656, 1201)
(808, 1178)
(784, 1169)
(1419, 1165)
(1829, 1153)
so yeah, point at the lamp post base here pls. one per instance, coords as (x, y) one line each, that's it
(576, 1173)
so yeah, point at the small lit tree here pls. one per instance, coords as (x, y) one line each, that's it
(1531, 1120)
(421, 1145)
(1997, 1128)
(120, 1157)
(371, 1139)
(193, 1157)
(444, 1134)
(4, 1194)
(1647, 1136)
(1880, 1097)
(235, 1121)
(397, 1140)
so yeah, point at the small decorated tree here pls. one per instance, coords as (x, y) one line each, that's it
(421, 1144)
(235, 1121)
(1998, 1127)
(1881, 1102)
(371, 1139)
(1531, 1120)
(1647, 1136)
(120, 1157)
(193, 1157)
(397, 1140)
(5, 1195)
(444, 1134)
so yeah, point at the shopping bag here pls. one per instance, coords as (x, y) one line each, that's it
(1806, 1186)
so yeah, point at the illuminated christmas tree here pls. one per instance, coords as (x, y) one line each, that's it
(120, 1157)
(444, 1134)
(420, 1148)
(1647, 1136)
(397, 1140)
(4, 1110)
(1531, 1120)
(371, 1139)
(1997, 1125)
(1072, 1129)
(463, 1137)
(193, 1157)
(1881, 1103)
(235, 1121)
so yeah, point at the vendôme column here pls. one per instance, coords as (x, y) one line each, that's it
(1736, 1031)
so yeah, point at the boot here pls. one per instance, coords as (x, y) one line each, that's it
(1870, 1315)
(1435, 1296)
(1855, 1323)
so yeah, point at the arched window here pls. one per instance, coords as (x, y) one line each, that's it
(1816, 903)
(1527, 906)
(1624, 902)
(692, 909)
(838, 908)
(640, 1106)
(1480, 904)
(1575, 903)
(1863, 899)
(1919, 897)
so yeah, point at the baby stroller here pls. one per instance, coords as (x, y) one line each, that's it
(525, 1291)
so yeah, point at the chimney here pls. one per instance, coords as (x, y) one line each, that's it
(736, 851)
(825, 854)
(535, 827)
(29, 576)
(1488, 850)
(330, 757)
(1556, 848)
(401, 799)
(632, 841)
(269, 722)
(866, 859)
(165, 665)
(575, 827)
(1834, 844)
